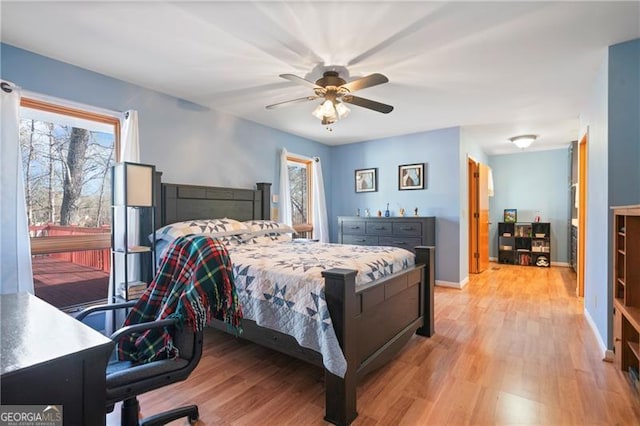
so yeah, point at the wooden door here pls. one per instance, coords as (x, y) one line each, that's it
(478, 217)
(472, 167)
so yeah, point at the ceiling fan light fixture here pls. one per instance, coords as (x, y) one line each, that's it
(317, 113)
(336, 91)
(523, 141)
(328, 109)
(342, 110)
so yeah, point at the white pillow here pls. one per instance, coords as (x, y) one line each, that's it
(268, 227)
(212, 227)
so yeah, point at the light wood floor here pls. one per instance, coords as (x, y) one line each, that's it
(512, 347)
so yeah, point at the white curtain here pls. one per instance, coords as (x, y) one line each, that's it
(16, 273)
(320, 222)
(129, 152)
(285, 192)
(490, 190)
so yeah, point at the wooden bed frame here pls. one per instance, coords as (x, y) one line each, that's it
(372, 324)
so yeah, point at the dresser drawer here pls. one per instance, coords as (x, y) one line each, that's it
(379, 228)
(404, 242)
(407, 229)
(362, 240)
(355, 227)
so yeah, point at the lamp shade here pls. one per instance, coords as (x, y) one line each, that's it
(133, 184)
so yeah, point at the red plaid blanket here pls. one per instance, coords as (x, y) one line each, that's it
(194, 284)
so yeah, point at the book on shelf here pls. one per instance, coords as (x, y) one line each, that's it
(133, 290)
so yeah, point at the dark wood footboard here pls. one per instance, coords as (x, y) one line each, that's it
(373, 324)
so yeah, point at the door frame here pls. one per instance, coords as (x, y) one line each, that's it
(582, 210)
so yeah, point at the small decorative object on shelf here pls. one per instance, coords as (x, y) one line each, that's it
(401, 212)
(415, 211)
(510, 215)
(358, 213)
(379, 213)
(386, 212)
(366, 213)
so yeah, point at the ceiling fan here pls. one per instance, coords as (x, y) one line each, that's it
(336, 91)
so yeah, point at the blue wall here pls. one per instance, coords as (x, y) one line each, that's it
(530, 182)
(593, 122)
(610, 119)
(623, 147)
(187, 142)
(439, 149)
(624, 123)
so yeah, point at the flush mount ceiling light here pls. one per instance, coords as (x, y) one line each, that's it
(523, 141)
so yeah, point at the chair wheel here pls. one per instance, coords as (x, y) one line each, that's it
(193, 419)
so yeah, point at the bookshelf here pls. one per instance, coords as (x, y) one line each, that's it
(626, 291)
(524, 243)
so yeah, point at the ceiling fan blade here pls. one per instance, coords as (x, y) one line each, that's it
(364, 82)
(368, 103)
(292, 101)
(300, 80)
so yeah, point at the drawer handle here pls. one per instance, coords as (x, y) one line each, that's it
(408, 229)
(360, 241)
(380, 228)
(355, 227)
(400, 242)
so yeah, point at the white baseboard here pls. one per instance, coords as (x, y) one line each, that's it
(606, 353)
(495, 259)
(453, 284)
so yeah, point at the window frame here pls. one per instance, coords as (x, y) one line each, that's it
(308, 163)
(71, 243)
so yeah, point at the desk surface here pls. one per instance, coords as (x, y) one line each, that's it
(33, 332)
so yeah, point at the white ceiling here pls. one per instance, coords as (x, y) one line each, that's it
(496, 68)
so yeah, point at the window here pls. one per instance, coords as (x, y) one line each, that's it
(67, 155)
(300, 188)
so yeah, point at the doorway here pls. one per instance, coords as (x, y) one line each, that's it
(478, 184)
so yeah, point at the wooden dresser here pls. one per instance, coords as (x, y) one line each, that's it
(405, 232)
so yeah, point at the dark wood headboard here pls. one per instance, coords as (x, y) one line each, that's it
(186, 202)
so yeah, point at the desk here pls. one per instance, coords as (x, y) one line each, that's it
(49, 358)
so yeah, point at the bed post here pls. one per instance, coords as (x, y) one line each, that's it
(265, 188)
(340, 393)
(427, 255)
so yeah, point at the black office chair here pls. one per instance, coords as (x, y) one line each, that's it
(126, 380)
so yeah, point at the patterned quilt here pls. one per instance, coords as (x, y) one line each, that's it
(280, 287)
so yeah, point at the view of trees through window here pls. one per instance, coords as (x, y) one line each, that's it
(299, 184)
(67, 156)
(66, 174)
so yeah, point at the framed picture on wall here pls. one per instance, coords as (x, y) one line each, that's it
(366, 180)
(510, 215)
(411, 176)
